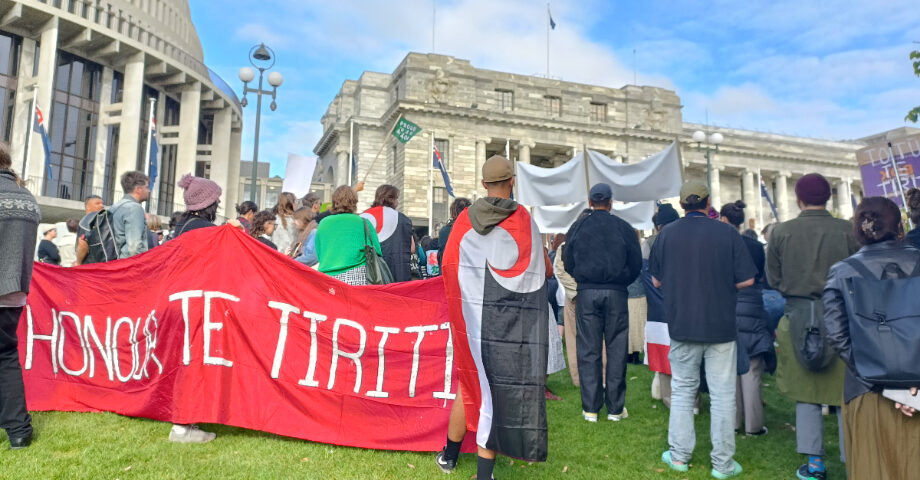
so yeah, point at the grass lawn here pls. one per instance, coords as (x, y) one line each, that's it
(108, 446)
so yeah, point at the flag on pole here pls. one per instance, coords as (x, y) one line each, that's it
(152, 162)
(437, 163)
(39, 128)
(405, 130)
(552, 24)
(853, 201)
(764, 194)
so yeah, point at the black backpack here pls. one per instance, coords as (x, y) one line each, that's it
(97, 230)
(884, 324)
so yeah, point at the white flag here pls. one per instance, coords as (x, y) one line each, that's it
(654, 178)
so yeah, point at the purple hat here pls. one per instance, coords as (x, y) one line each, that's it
(813, 189)
(200, 193)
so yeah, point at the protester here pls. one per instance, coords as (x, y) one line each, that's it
(91, 204)
(245, 212)
(511, 371)
(394, 230)
(638, 315)
(201, 196)
(305, 243)
(47, 250)
(881, 438)
(799, 255)
(285, 236)
(603, 256)
(456, 208)
(154, 231)
(913, 212)
(19, 219)
(67, 243)
(570, 286)
(754, 339)
(312, 201)
(341, 238)
(700, 265)
(129, 221)
(552, 284)
(262, 227)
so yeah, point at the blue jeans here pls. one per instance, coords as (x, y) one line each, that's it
(721, 370)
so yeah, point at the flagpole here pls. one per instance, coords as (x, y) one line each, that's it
(548, 18)
(430, 185)
(25, 166)
(147, 150)
(351, 150)
(762, 187)
(384, 144)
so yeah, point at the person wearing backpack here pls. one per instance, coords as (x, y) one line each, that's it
(800, 253)
(881, 437)
(602, 254)
(129, 221)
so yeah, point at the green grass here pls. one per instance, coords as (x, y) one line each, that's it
(109, 446)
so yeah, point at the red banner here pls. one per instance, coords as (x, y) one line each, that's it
(214, 327)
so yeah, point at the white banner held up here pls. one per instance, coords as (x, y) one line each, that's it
(537, 186)
(299, 174)
(557, 219)
(638, 215)
(654, 178)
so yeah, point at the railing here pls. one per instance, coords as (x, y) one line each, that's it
(42, 187)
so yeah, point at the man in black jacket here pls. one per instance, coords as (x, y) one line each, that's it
(602, 253)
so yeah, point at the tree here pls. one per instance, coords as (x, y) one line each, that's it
(914, 115)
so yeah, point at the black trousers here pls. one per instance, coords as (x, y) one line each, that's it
(602, 317)
(14, 418)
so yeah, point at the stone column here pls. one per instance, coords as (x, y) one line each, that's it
(233, 182)
(129, 130)
(220, 158)
(23, 102)
(750, 197)
(189, 117)
(477, 169)
(843, 198)
(716, 186)
(524, 151)
(341, 167)
(782, 195)
(102, 133)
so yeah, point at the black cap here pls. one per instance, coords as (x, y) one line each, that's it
(600, 193)
(666, 214)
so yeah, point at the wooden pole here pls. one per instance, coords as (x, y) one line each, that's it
(386, 140)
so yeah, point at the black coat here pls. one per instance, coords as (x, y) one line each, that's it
(751, 318)
(602, 252)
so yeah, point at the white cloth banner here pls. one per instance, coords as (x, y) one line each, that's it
(537, 186)
(298, 175)
(654, 178)
(638, 214)
(557, 219)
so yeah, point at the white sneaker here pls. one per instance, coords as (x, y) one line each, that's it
(616, 418)
(190, 434)
(590, 417)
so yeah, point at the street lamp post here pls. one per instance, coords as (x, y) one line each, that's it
(262, 58)
(712, 145)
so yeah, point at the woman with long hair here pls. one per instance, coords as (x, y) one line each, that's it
(341, 237)
(286, 232)
(245, 212)
(394, 230)
(881, 437)
(304, 250)
(263, 225)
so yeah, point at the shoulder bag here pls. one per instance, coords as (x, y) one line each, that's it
(378, 273)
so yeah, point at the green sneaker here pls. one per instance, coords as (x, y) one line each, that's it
(735, 472)
(666, 458)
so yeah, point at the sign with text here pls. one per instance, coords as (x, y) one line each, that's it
(877, 164)
(405, 130)
(214, 327)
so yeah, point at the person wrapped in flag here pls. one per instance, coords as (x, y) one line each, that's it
(394, 230)
(494, 272)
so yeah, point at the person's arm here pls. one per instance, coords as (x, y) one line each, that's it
(745, 284)
(135, 231)
(745, 271)
(82, 250)
(836, 321)
(654, 261)
(548, 264)
(373, 236)
(633, 252)
(308, 255)
(569, 251)
(774, 265)
(568, 283)
(54, 254)
(656, 282)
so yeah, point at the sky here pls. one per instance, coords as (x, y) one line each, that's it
(834, 70)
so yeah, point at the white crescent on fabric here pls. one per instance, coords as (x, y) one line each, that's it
(387, 224)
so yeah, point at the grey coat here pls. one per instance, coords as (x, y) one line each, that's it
(19, 218)
(875, 257)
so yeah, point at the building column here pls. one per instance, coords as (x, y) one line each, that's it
(102, 133)
(129, 130)
(477, 168)
(189, 117)
(21, 114)
(341, 167)
(220, 158)
(47, 65)
(524, 150)
(750, 197)
(782, 195)
(843, 199)
(233, 178)
(715, 188)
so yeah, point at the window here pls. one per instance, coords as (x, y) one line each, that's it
(443, 147)
(74, 118)
(118, 87)
(111, 154)
(203, 169)
(168, 155)
(504, 99)
(598, 112)
(440, 206)
(206, 129)
(9, 65)
(149, 93)
(393, 164)
(553, 106)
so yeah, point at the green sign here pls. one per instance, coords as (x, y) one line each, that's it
(405, 130)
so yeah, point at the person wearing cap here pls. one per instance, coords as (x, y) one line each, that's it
(498, 309)
(129, 221)
(800, 253)
(699, 265)
(47, 250)
(603, 256)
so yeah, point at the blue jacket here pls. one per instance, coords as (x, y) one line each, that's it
(129, 224)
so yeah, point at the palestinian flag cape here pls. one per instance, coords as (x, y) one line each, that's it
(496, 297)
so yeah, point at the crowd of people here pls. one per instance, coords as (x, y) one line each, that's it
(735, 308)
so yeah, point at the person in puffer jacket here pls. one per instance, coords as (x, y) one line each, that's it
(753, 334)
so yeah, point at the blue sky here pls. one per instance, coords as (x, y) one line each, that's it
(836, 70)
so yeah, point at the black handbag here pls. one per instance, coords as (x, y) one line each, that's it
(808, 335)
(884, 323)
(378, 273)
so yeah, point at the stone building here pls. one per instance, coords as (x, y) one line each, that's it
(94, 66)
(472, 113)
